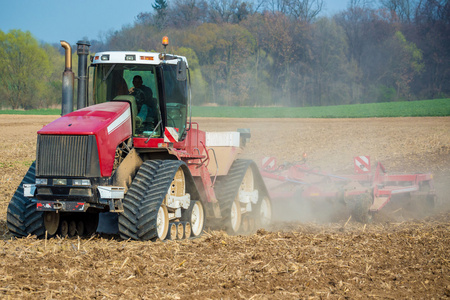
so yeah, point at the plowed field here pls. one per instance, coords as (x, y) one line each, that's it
(403, 253)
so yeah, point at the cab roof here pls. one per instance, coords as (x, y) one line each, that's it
(134, 57)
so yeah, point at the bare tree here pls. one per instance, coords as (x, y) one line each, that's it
(188, 13)
(305, 10)
(221, 11)
(403, 9)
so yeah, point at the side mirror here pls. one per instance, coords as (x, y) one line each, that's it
(181, 70)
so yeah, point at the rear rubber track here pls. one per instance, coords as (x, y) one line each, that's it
(143, 199)
(227, 187)
(22, 218)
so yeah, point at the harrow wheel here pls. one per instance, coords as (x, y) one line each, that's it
(80, 228)
(64, 228)
(360, 208)
(72, 228)
(51, 222)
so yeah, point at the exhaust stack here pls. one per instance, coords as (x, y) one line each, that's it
(83, 52)
(67, 81)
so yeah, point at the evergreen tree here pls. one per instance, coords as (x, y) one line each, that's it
(160, 6)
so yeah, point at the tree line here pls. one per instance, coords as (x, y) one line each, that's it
(272, 52)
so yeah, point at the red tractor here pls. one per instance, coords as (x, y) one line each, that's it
(135, 154)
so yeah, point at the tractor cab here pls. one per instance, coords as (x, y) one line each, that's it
(154, 84)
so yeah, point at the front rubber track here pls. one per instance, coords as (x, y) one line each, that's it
(22, 218)
(227, 187)
(145, 196)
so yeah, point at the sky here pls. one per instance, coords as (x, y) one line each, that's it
(53, 20)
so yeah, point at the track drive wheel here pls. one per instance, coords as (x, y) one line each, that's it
(22, 218)
(145, 215)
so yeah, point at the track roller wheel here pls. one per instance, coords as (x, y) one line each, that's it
(180, 231)
(187, 230)
(172, 231)
(263, 212)
(162, 223)
(235, 217)
(51, 222)
(194, 217)
(245, 224)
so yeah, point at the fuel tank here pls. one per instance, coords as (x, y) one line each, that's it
(109, 123)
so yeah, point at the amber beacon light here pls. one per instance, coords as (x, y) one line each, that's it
(165, 41)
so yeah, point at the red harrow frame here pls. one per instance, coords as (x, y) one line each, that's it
(300, 182)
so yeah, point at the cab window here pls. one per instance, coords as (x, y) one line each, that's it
(176, 93)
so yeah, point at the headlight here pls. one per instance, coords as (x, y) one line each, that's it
(59, 181)
(41, 181)
(81, 182)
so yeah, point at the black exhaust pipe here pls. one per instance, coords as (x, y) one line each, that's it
(67, 81)
(83, 52)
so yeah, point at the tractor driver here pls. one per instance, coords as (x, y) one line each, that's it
(144, 99)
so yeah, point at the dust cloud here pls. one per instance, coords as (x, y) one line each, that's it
(402, 145)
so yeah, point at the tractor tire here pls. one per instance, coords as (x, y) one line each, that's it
(22, 218)
(145, 216)
(227, 192)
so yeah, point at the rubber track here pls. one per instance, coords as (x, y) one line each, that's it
(22, 218)
(226, 188)
(143, 199)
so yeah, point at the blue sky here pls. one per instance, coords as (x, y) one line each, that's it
(54, 20)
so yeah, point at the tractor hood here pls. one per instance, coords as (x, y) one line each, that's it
(109, 122)
(91, 120)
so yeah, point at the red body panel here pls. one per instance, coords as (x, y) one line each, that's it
(110, 122)
(152, 143)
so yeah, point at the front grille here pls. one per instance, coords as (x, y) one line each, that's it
(64, 155)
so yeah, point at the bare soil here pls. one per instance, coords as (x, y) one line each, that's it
(403, 253)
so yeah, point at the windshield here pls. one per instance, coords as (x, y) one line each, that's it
(111, 81)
